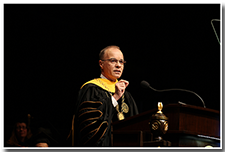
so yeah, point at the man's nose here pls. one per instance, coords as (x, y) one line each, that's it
(118, 64)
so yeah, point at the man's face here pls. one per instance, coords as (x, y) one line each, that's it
(21, 130)
(112, 69)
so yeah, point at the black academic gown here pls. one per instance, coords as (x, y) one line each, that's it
(94, 114)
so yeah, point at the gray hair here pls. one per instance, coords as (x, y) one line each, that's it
(102, 52)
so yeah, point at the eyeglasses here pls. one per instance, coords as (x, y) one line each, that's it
(114, 61)
(18, 128)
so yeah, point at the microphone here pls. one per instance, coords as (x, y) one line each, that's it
(146, 85)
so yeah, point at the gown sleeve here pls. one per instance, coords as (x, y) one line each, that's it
(94, 112)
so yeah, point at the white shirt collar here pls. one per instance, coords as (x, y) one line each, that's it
(102, 76)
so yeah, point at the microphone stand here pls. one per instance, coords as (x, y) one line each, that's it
(182, 90)
(145, 84)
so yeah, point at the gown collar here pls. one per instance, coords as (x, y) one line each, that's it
(104, 83)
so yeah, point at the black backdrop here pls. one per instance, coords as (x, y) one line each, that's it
(50, 50)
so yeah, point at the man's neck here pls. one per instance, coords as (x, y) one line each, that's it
(104, 77)
(21, 139)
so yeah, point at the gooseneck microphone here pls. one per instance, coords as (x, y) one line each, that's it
(146, 85)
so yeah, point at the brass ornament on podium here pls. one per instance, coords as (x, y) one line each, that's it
(158, 123)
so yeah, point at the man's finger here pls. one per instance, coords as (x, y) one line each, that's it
(125, 82)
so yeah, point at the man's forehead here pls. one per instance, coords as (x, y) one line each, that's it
(114, 52)
(21, 124)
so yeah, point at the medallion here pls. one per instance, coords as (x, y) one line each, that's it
(120, 116)
(124, 107)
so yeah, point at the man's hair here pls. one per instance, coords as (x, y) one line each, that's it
(102, 52)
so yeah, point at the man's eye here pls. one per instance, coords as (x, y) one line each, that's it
(113, 60)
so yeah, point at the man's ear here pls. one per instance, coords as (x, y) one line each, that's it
(100, 64)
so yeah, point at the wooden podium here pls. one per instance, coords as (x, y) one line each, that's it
(189, 126)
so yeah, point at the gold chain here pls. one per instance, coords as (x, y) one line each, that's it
(124, 106)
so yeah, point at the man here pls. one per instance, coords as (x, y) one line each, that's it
(103, 100)
(20, 134)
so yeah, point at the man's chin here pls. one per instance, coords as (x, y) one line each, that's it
(117, 76)
(113, 77)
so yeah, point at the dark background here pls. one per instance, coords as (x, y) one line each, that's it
(50, 50)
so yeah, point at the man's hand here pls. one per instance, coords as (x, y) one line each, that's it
(120, 89)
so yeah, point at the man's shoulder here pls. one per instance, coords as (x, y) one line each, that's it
(128, 95)
(90, 83)
(104, 84)
(93, 84)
